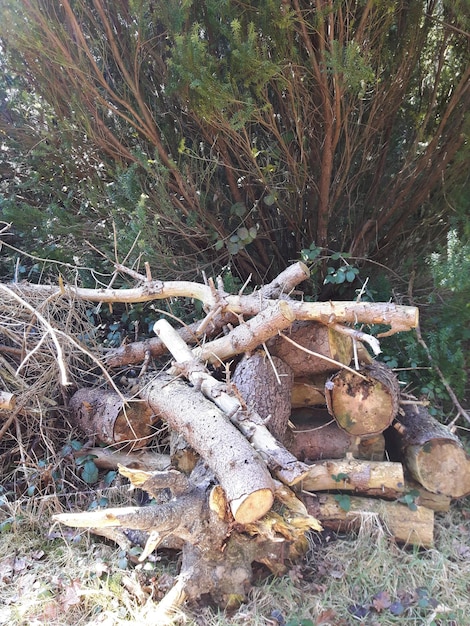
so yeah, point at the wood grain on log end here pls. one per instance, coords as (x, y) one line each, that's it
(363, 407)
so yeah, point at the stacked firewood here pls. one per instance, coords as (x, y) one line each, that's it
(284, 409)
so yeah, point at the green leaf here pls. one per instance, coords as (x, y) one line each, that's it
(6, 525)
(344, 501)
(351, 275)
(269, 200)
(90, 472)
(242, 233)
(238, 209)
(109, 477)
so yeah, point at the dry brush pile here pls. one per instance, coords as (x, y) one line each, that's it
(278, 421)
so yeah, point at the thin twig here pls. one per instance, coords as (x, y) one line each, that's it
(270, 359)
(461, 411)
(60, 357)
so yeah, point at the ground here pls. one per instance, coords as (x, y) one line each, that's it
(55, 576)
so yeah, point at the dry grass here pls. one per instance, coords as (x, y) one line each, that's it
(75, 578)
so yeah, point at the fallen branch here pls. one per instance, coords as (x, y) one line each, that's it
(281, 462)
(399, 318)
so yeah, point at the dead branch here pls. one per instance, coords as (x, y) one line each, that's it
(285, 466)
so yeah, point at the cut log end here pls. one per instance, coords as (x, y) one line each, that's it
(363, 406)
(453, 475)
(249, 509)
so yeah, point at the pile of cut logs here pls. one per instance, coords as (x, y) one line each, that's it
(286, 423)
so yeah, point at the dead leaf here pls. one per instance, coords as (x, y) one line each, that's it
(71, 594)
(328, 618)
(462, 550)
(6, 569)
(381, 601)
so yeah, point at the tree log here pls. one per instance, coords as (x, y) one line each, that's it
(433, 455)
(399, 318)
(315, 435)
(105, 417)
(238, 468)
(281, 462)
(316, 338)
(363, 406)
(265, 385)
(403, 524)
(384, 480)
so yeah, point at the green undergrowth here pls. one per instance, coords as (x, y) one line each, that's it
(58, 576)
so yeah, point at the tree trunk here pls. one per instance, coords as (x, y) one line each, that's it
(364, 403)
(433, 455)
(239, 469)
(265, 385)
(108, 418)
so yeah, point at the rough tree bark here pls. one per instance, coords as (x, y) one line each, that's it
(434, 456)
(237, 466)
(265, 384)
(281, 462)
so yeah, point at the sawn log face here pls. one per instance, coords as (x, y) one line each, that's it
(239, 469)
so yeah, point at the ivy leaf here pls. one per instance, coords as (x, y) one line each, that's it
(344, 501)
(90, 472)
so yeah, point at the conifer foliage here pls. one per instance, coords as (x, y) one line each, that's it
(221, 132)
